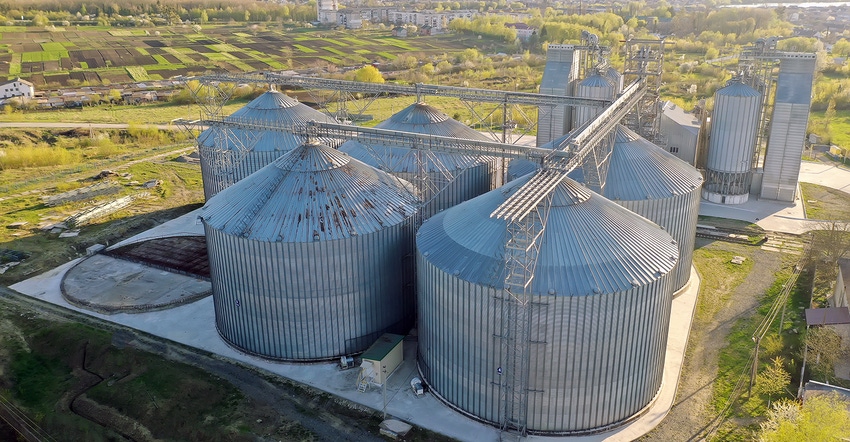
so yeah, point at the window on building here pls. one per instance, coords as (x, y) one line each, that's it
(674, 149)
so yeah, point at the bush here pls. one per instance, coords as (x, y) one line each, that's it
(36, 156)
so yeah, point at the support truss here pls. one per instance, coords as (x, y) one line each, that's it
(645, 62)
(521, 253)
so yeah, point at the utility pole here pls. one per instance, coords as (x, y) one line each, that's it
(757, 340)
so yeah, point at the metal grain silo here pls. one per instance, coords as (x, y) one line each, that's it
(460, 177)
(228, 155)
(653, 183)
(732, 142)
(616, 79)
(600, 309)
(311, 256)
(595, 86)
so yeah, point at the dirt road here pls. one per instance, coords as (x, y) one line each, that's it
(692, 412)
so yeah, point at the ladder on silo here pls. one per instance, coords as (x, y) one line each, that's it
(526, 212)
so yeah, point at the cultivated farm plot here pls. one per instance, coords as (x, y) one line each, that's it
(93, 54)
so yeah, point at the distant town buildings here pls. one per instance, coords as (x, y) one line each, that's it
(523, 31)
(353, 18)
(327, 11)
(17, 88)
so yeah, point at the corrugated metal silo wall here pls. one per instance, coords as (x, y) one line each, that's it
(678, 216)
(215, 182)
(312, 301)
(468, 184)
(559, 76)
(733, 138)
(734, 127)
(583, 114)
(788, 128)
(597, 360)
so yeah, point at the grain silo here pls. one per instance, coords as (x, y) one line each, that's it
(650, 182)
(732, 143)
(460, 176)
(655, 184)
(230, 154)
(594, 86)
(311, 256)
(616, 79)
(600, 309)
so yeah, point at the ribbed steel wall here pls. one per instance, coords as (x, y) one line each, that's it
(311, 257)
(657, 185)
(442, 179)
(734, 127)
(600, 358)
(558, 77)
(310, 301)
(616, 79)
(467, 184)
(788, 128)
(219, 146)
(215, 180)
(601, 291)
(678, 216)
(594, 86)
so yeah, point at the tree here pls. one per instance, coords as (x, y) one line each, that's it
(841, 48)
(830, 241)
(830, 111)
(824, 349)
(822, 417)
(40, 20)
(773, 380)
(368, 74)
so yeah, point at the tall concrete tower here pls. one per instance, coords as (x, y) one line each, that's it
(559, 75)
(788, 126)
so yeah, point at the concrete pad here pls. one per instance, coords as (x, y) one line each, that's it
(825, 174)
(106, 284)
(184, 225)
(774, 216)
(194, 325)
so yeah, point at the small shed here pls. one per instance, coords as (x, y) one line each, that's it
(382, 358)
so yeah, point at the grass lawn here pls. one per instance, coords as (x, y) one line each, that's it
(838, 129)
(733, 363)
(824, 203)
(154, 113)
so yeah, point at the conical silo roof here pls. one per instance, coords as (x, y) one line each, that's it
(738, 89)
(596, 80)
(639, 170)
(310, 193)
(424, 119)
(271, 107)
(590, 245)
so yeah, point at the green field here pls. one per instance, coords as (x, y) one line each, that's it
(115, 54)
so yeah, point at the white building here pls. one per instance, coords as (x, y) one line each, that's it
(327, 11)
(680, 130)
(17, 88)
(431, 18)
